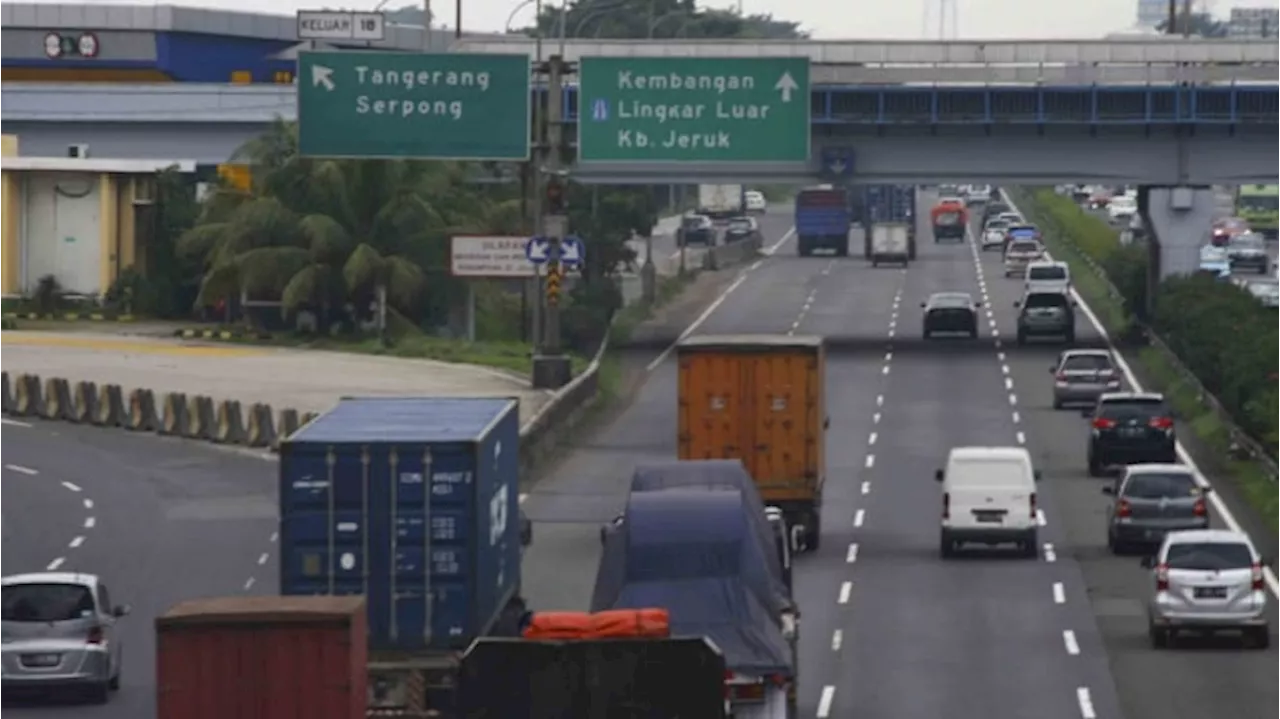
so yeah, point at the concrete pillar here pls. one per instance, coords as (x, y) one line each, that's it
(1180, 219)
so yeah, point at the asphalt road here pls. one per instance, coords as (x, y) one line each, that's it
(159, 520)
(1198, 679)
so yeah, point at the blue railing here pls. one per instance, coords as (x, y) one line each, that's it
(1023, 105)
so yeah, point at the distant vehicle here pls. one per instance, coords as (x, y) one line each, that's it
(60, 634)
(1044, 314)
(822, 219)
(950, 312)
(995, 208)
(890, 242)
(1214, 262)
(1265, 291)
(696, 229)
(1249, 252)
(993, 234)
(989, 497)
(1048, 276)
(1258, 206)
(1130, 428)
(755, 201)
(1013, 218)
(950, 218)
(720, 201)
(1207, 580)
(1122, 208)
(1083, 376)
(1099, 198)
(741, 228)
(1151, 500)
(977, 194)
(1019, 253)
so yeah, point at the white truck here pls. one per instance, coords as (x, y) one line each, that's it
(720, 201)
(890, 242)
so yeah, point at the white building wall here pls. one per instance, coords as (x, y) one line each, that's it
(61, 234)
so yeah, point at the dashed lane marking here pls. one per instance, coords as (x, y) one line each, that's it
(851, 555)
(871, 461)
(21, 469)
(90, 522)
(846, 588)
(828, 696)
(1059, 593)
(872, 439)
(262, 559)
(837, 639)
(1022, 438)
(53, 566)
(76, 541)
(1069, 641)
(859, 517)
(866, 488)
(72, 486)
(1050, 555)
(248, 584)
(14, 423)
(1085, 700)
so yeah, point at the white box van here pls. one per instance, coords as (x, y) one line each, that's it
(989, 497)
(1048, 276)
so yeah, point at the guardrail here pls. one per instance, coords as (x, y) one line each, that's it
(1241, 442)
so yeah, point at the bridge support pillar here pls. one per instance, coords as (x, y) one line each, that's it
(1178, 221)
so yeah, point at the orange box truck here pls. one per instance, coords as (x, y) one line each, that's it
(760, 399)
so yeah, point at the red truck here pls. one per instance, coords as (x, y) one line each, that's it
(950, 218)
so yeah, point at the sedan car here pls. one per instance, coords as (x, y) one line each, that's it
(950, 312)
(741, 228)
(1207, 580)
(993, 234)
(60, 635)
(1248, 252)
(1151, 500)
(1130, 428)
(697, 229)
(1083, 376)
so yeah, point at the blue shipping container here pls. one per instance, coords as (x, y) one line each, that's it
(822, 213)
(890, 203)
(412, 502)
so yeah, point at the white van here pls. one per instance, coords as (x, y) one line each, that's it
(1048, 276)
(989, 497)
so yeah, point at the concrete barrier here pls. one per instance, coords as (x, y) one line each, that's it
(175, 416)
(57, 399)
(142, 415)
(84, 402)
(288, 424)
(229, 427)
(722, 256)
(111, 406)
(261, 431)
(28, 397)
(202, 418)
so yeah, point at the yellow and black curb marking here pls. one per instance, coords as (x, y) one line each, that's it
(224, 335)
(69, 316)
(142, 410)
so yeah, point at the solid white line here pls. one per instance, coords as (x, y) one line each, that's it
(76, 542)
(866, 488)
(837, 638)
(785, 239)
(90, 522)
(248, 583)
(693, 327)
(53, 566)
(871, 461)
(1049, 554)
(21, 470)
(263, 558)
(846, 588)
(1214, 498)
(851, 556)
(1069, 640)
(1059, 594)
(1085, 700)
(858, 517)
(829, 695)
(72, 487)
(14, 422)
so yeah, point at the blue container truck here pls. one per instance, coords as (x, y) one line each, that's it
(822, 220)
(893, 204)
(413, 503)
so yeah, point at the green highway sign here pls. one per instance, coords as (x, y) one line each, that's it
(667, 109)
(393, 104)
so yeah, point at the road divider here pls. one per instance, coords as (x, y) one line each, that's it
(225, 335)
(731, 253)
(69, 316)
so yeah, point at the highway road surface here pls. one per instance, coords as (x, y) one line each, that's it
(889, 629)
(306, 380)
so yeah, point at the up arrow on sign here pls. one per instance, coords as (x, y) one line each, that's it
(786, 85)
(322, 76)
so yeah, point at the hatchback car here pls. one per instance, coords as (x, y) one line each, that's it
(1083, 376)
(950, 312)
(1130, 428)
(1151, 500)
(1248, 252)
(741, 228)
(1046, 314)
(60, 634)
(993, 235)
(1019, 252)
(697, 229)
(1207, 580)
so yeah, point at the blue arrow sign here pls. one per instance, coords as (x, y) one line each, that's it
(572, 251)
(536, 249)
(837, 161)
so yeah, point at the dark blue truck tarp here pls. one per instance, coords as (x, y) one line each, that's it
(888, 203)
(822, 213)
(692, 552)
(412, 502)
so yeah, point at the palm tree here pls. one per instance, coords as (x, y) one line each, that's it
(322, 234)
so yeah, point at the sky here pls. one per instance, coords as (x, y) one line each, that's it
(824, 19)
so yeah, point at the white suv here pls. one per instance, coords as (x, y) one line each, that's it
(1207, 580)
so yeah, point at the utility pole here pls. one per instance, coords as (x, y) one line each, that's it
(551, 366)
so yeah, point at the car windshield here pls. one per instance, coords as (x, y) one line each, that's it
(1174, 485)
(1051, 272)
(1045, 299)
(694, 221)
(997, 225)
(1246, 242)
(952, 300)
(1086, 363)
(740, 225)
(1256, 203)
(46, 602)
(1209, 556)
(1024, 247)
(1131, 408)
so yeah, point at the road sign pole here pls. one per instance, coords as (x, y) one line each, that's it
(551, 367)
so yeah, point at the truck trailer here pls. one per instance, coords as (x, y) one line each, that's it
(894, 204)
(890, 242)
(822, 221)
(414, 504)
(720, 202)
(760, 399)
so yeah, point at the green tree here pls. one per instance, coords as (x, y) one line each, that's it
(657, 19)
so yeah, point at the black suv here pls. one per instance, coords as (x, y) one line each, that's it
(1130, 428)
(1046, 313)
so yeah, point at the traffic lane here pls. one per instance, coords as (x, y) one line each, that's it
(858, 305)
(42, 514)
(1203, 678)
(174, 520)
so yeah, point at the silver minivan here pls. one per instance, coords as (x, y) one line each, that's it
(1205, 581)
(59, 634)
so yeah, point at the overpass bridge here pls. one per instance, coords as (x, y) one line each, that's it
(1133, 111)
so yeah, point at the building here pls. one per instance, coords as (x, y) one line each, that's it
(163, 43)
(1253, 22)
(1152, 13)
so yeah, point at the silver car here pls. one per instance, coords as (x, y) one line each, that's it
(1083, 376)
(1151, 500)
(59, 633)
(1207, 580)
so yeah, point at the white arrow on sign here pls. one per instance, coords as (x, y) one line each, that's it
(786, 85)
(570, 252)
(838, 167)
(321, 75)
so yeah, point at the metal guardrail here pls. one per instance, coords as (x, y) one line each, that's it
(1241, 441)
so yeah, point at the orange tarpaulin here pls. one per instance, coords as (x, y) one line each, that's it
(617, 623)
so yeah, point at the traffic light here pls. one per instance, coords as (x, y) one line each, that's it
(556, 202)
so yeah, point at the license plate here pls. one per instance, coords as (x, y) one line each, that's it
(41, 660)
(991, 517)
(1210, 592)
(1131, 432)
